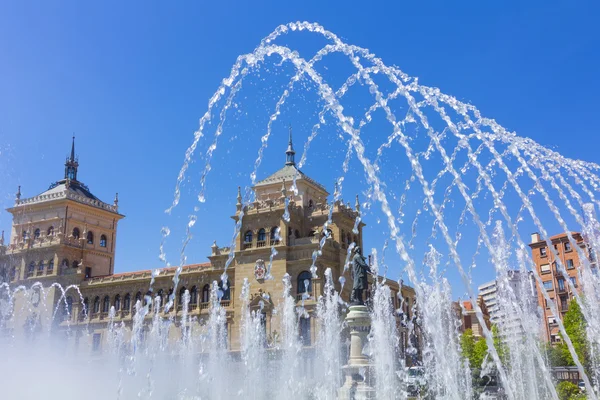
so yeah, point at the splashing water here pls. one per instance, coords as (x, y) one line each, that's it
(469, 192)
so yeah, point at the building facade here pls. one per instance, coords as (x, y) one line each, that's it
(465, 312)
(522, 286)
(555, 284)
(66, 235)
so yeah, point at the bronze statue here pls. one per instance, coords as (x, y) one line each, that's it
(360, 269)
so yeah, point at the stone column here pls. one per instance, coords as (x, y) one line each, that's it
(355, 386)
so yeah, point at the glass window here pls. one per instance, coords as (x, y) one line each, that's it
(194, 295)
(226, 292)
(36, 233)
(103, 241)
(248, 237)
(76, 233)
(127, 302)
(50, 231)
(561, 284)
(51, 265)
(543, 251)
(548, 285)
(41, 266)
(106, 304)
(545, 268)
(117, 303)
(305, 282)
(75, 264)
(274, 233)
(567, 246)
(305, 331)
(96, 304)
(90, 237)
(261, 235)
(570, 264)
(206, 293)
(573, 281)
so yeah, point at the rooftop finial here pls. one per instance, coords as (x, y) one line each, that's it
(357, 204)
(18, 194)
(116, 201)
(2, 239)
(239, 199)
(289, 153)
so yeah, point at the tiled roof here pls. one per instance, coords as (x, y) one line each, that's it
(288, 172)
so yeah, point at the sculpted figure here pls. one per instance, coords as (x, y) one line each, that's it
(360, 269)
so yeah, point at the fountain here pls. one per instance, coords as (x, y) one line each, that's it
(452, 188)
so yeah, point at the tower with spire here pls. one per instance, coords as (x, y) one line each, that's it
(290, 153)
(71, 164)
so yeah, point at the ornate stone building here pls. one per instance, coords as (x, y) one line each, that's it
(66, 235)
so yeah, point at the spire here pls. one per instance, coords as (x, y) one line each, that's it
(72, 159)
(357, 204)
(289, 153)
(71, 164)
(116, 201)
(18, 194)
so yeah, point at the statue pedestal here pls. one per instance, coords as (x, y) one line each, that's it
(357, 370)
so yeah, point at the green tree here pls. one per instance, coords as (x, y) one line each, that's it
(479, 352)
(467, 345)
(500, 345)
(575, 326)
(555, 355)
(567, 390)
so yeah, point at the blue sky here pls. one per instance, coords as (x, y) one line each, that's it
(131, 81)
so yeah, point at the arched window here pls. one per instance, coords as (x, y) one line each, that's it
(31, 268)
(297, 232)
(50, 231)
(274, 235)
(25, 235)
(310, 203)
(103, 241)
(127, 302)
(106, 304)
(304, 282)
(41, 266)
(36, 233)
(65, 263)
(262, 235)
(75, 264)
(96, 307)
(161, 295)
(51, 265)
(90, 237)
(248, 237)
(181, 293)
(349, 238)
(227, 292)
(13, 273)
(194, 296)
(76, 233)
(138, 297)
(206, 293)
(117, 302)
